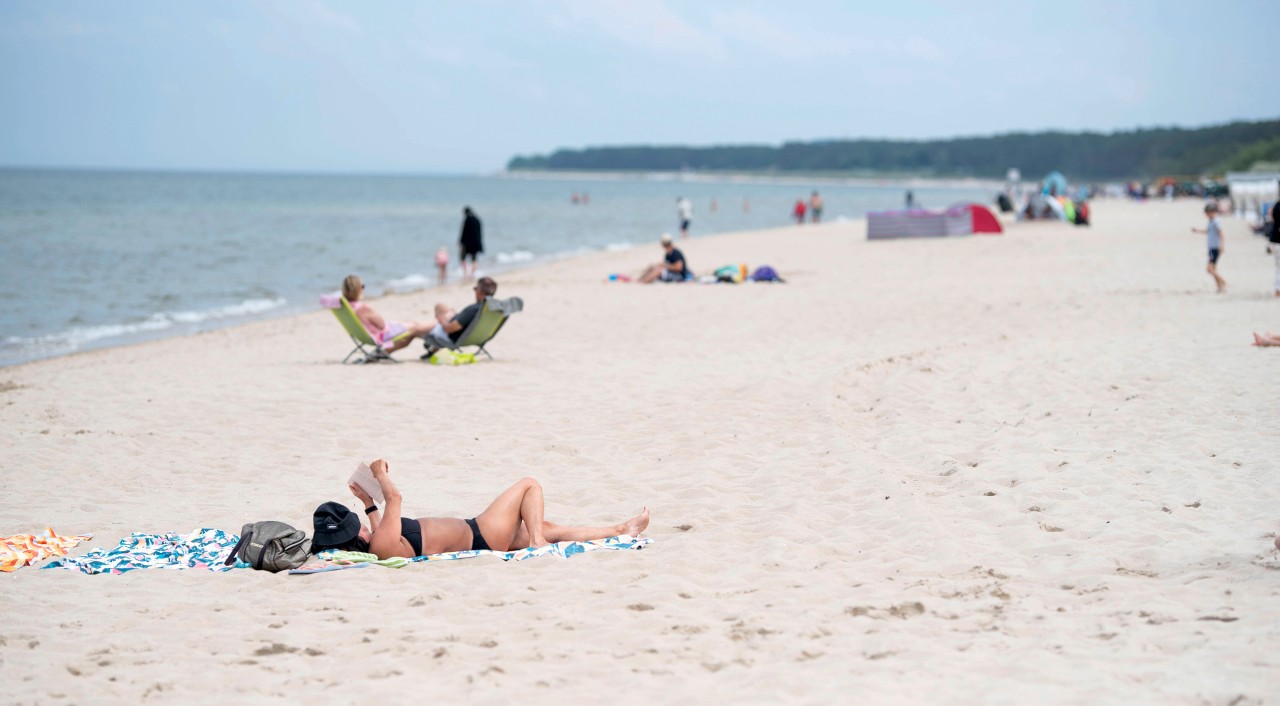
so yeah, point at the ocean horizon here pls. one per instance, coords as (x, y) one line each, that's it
(105, 257)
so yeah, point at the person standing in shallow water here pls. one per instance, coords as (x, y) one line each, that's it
(684, 213)
(815, 207)
(470, 242)
(797, 212)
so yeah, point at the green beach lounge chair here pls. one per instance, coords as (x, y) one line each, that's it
(346, 316)
(493, 314)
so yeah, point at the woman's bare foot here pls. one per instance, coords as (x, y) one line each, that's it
(635, 525)
(1257, 340)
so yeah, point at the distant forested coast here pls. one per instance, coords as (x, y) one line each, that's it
(1146, 153)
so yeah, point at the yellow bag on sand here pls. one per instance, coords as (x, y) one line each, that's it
(448, 357)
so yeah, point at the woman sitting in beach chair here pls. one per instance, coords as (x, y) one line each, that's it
(512, 521)
(391, 335)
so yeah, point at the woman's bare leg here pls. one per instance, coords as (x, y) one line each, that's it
(563, 533)
(521, 503)
(415, 330)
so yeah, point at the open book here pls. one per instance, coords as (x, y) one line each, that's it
(363, 477)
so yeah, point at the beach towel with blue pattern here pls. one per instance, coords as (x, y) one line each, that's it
(564, 550)
(201, 549)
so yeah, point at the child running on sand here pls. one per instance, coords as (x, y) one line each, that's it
(1214, 233)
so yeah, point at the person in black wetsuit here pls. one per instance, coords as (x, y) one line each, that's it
(512, 521)
(470, 242)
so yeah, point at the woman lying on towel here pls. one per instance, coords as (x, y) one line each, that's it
(388, 334)
(512, 521)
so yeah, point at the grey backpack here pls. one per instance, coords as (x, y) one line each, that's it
(271, 546)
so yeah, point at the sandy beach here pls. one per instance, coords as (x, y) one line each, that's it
(1038, 467)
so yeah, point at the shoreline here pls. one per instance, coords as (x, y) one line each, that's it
(211, 251)
(779, 178)
(286, 313)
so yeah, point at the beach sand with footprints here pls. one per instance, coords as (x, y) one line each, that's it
(1032, 467)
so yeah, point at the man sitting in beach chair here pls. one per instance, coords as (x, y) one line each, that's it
(475, 325)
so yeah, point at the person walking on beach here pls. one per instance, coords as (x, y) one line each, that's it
(684, 212)
(797, 212)
(1215, 244)
(470, 242)
(815, 207)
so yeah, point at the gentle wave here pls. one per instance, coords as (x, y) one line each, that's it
(75, 338)
(619, 247)
(410, 283)
(507, 258)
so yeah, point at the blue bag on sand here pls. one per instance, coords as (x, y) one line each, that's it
(764, 273)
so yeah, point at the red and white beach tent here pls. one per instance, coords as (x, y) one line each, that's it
(964, 219)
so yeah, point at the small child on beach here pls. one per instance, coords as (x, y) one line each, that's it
(445, 313)
(442, 265)
(1214, 233)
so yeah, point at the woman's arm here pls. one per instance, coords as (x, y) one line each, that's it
(367, 502)
(386, 541)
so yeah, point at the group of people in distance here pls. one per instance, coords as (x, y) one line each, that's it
(442, 333)
(813, 208)
(514, 520)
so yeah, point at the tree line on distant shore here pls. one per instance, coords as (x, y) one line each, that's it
(1145, 153)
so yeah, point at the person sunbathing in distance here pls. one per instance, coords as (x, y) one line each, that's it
(1266, 339)
(512, 521)
(381, 330)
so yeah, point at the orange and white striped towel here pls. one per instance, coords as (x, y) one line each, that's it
(23, 549)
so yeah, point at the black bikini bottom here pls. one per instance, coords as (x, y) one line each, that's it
(477, 540)
(412, 531)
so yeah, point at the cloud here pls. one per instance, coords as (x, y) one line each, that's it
(921, 48)
(647, 25)
(58, 27)
(316, 12)
(772, 36)
(768, 35)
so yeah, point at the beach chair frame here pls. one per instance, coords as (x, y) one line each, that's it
(487, 323)
(365, 345)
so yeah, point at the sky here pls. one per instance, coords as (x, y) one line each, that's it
(461, 87)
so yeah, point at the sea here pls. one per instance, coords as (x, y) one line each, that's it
(91, 259)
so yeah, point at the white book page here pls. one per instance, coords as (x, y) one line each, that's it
(363, 477)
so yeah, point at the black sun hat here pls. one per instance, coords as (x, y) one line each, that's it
(334, 524)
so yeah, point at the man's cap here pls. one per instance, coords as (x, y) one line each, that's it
(334, 524)
(666, 239)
